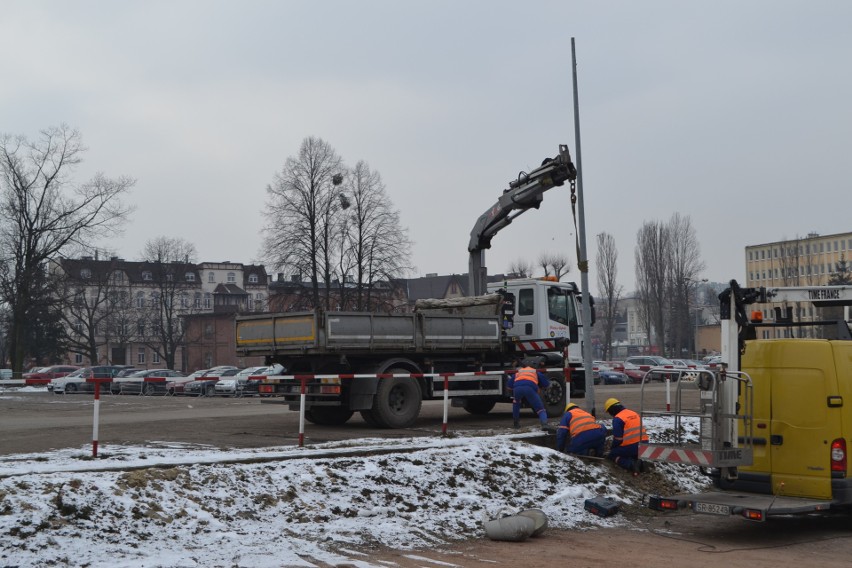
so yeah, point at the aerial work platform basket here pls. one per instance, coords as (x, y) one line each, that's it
(722, 403)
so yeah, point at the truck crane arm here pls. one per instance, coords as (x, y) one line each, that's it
(523, 193)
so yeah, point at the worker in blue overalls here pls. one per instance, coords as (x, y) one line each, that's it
(525, 385)
(578, 433)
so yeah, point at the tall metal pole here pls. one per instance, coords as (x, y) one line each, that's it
(582, 261)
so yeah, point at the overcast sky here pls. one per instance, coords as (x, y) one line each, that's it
(734, 113)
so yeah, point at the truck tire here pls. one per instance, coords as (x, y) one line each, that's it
(328, 415)
(398, 401)
(479, 406)
(553, 397)
(368, 417)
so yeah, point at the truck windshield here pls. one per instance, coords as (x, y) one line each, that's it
(560, 306)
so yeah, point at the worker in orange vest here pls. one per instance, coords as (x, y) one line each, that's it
(525, 385)
(578, 433)
(627, 433)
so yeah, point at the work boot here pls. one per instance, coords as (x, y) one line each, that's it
(516, 424)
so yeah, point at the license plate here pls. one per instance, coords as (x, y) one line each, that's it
(711, 508)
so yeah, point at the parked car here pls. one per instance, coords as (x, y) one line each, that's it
(78, 381)
(176, 387)
(245, 382)
(43, 375)
(135, 383)
(633, 372)
(605, 374)
(205, 385)
(714, 360)
(646, 362)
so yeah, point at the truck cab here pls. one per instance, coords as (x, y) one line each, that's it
(545, 310)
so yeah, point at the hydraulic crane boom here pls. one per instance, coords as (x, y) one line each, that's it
(524, 193)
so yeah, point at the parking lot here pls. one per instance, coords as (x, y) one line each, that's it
(39, 421)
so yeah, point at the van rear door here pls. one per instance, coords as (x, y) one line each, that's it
(802, 425)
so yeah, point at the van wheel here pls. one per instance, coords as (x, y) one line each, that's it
(328, 415)
(479, 406)
(398, 401)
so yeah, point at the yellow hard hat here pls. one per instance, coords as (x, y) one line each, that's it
(609, 403)
(570, 406)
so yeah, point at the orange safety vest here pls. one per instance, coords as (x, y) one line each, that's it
(581, 421)
(632, 434)
(527, 374)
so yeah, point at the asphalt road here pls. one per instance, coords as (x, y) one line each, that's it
(40, 421)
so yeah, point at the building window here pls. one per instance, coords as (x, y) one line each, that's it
(208, 301)
(140, 299)
(253, 278)
(198, 299)
(140, 357)
(189, 277)
(749, 255)
(85, 274)
(155, 357)
(140, 328)
(147, 275)
(211, 277)
(232, 278)
(78, 358)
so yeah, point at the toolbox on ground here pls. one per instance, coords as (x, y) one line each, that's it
(601, 506)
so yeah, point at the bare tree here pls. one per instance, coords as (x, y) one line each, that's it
(88, 295)
(376, 245)
(652, 255)
(684, 266)
(168, 260)
(45, 213)
(522, 268)
(302, 204)
(554, 264)
(610, 290)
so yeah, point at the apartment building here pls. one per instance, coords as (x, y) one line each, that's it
(803, 261)
(133, 311)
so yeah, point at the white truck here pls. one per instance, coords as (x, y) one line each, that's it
(352, 360)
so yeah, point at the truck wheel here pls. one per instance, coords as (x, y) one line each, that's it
(479, 406)
(368, 417)
(398, 401)
(553, 397)
(328, 415)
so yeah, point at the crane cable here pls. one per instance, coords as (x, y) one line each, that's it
(582, 264)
